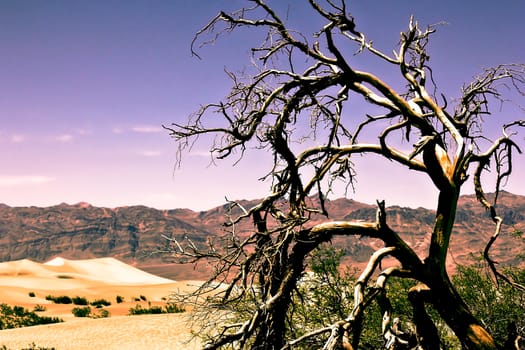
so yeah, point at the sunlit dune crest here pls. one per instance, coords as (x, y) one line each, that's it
(108, 270)
(24, 267)
(58, 261)
(104, 270)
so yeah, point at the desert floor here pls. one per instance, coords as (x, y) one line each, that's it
(93, 279)
(166, 331)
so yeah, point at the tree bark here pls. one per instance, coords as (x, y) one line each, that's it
(446, 300)
(453, 310)
(426, 331)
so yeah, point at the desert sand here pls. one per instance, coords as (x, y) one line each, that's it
(103, 278)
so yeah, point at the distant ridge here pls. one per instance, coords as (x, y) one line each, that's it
(133, 234)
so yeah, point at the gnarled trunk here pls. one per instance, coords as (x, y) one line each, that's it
(445, 298)
(454, 311)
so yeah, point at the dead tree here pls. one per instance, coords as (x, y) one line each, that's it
(296, 104)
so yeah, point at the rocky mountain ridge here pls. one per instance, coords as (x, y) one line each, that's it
(137, 234)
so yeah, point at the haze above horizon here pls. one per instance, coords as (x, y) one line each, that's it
(86, 86)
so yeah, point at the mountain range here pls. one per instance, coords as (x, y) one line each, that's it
(139, 235)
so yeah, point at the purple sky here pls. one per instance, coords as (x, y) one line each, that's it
(86, 84)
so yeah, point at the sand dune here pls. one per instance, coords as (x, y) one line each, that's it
(103, 277)
(27, 283)
(63, 274)
(106, 270)
(24, 267)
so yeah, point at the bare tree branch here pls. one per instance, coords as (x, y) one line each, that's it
(296, 103)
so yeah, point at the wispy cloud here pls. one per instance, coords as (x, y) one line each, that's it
(23, 180)
(149, 153)
(146, 128)
(64, 138)
(12, 138)
(17, 138)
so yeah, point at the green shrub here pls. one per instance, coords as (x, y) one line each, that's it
(100, 303)
(498, 306)
(80, 301)
(86, 311)
(39, 308)
(81, 311)
(17, 316)
(32, 294)
(103, 313)
(119, 299)
(139, 310)
(63, 299)
(167, 309)
(142, 297)
(172, 308)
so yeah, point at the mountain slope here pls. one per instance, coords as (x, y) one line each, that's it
(133, 234)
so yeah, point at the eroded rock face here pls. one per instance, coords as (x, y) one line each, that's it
(77, 231)
(132, 234)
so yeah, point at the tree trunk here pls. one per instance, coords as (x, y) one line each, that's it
(446, 300)
(457, 316)
(287, 271)
(272, 335)
(426, 331)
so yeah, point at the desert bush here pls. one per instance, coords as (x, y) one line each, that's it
(119, 299)
(84, 311)
(500, 306)
(39, 308)
(17, 316)
(156, 309)
(100, 303)
(79, 301)
(103, 313)
(32, 294)
(139, 310)
(172, 308)
(63, 299)
(142, 297)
